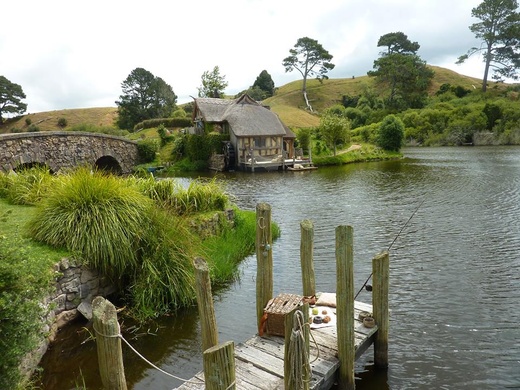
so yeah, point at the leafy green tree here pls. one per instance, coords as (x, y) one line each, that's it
(303, 136)
(11, 96)
(144, 97)
(310, 59)
(213, 84)
(334, 130)
(402, 71)
(391, 133)
(265, 83)
(254, 93)
(499, 30)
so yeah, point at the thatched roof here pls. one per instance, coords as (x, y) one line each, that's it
(246, 117)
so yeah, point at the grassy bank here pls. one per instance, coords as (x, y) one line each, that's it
(138, 232)
(356, 153)
(26, 276)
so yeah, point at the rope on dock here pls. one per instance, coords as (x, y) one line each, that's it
(298, 354)
(146, 360)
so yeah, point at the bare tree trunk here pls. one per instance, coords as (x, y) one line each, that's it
(304, 90)
(486, 69)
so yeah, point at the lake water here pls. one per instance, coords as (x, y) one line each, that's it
(454, 273)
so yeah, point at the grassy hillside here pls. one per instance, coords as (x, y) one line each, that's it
(48, 121)
(288, 102)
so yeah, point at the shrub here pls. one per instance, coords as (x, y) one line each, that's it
(33, 128)
(179, 113)
(303, 136)
(391, 133)
(147, 150)
(62, 122)
(164, 135)
(28, 121)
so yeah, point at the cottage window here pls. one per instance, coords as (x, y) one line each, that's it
(260, 142)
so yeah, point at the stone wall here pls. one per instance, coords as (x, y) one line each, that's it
(76, 287)
(66, 149)
(217, 162)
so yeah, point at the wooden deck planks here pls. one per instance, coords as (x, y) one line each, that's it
(259, 361)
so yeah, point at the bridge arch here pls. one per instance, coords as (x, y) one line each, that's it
(64, 149)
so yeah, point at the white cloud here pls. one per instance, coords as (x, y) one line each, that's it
(69, 54)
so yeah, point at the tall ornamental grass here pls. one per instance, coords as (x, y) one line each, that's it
(27, 187)
(200, 196)
(164, 278)
(119, 231)
(97, 216)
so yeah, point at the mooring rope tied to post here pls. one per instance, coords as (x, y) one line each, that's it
(298, 354)
(120, 336)
(390, 246)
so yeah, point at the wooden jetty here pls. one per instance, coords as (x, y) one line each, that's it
(262, 361)
(259, 361)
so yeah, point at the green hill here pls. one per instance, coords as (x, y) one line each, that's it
(288, 103)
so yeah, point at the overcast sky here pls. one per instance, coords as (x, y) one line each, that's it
(75, 54)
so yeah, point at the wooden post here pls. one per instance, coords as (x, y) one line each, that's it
(345, 306)
(380, 287)
(302, 356)
(264, 259)
(110, 355)
(208, 323)
(219, 367)
(306, 258)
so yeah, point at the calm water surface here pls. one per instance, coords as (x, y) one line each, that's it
(455, 271)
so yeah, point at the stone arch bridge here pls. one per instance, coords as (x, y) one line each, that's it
(66, 149)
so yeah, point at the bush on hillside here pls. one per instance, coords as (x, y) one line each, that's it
(62, 122)
(147, 150)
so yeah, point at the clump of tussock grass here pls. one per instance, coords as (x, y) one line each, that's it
(26, 187)
(119, 231)
(200, 196)
(96, 215)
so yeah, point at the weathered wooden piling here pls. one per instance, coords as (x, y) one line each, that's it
(110, 355)
(208, 322)
(345, 305)
(380, 288)
(264, 258)
(306, 258)
(219, 367)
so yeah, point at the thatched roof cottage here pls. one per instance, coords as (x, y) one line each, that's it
(257, 136)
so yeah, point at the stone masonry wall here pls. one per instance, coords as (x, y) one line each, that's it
(65, 149)
(76, 287)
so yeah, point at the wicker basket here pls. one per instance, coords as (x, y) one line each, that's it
(277, 308)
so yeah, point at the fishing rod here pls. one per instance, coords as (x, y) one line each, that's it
(368, 287)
